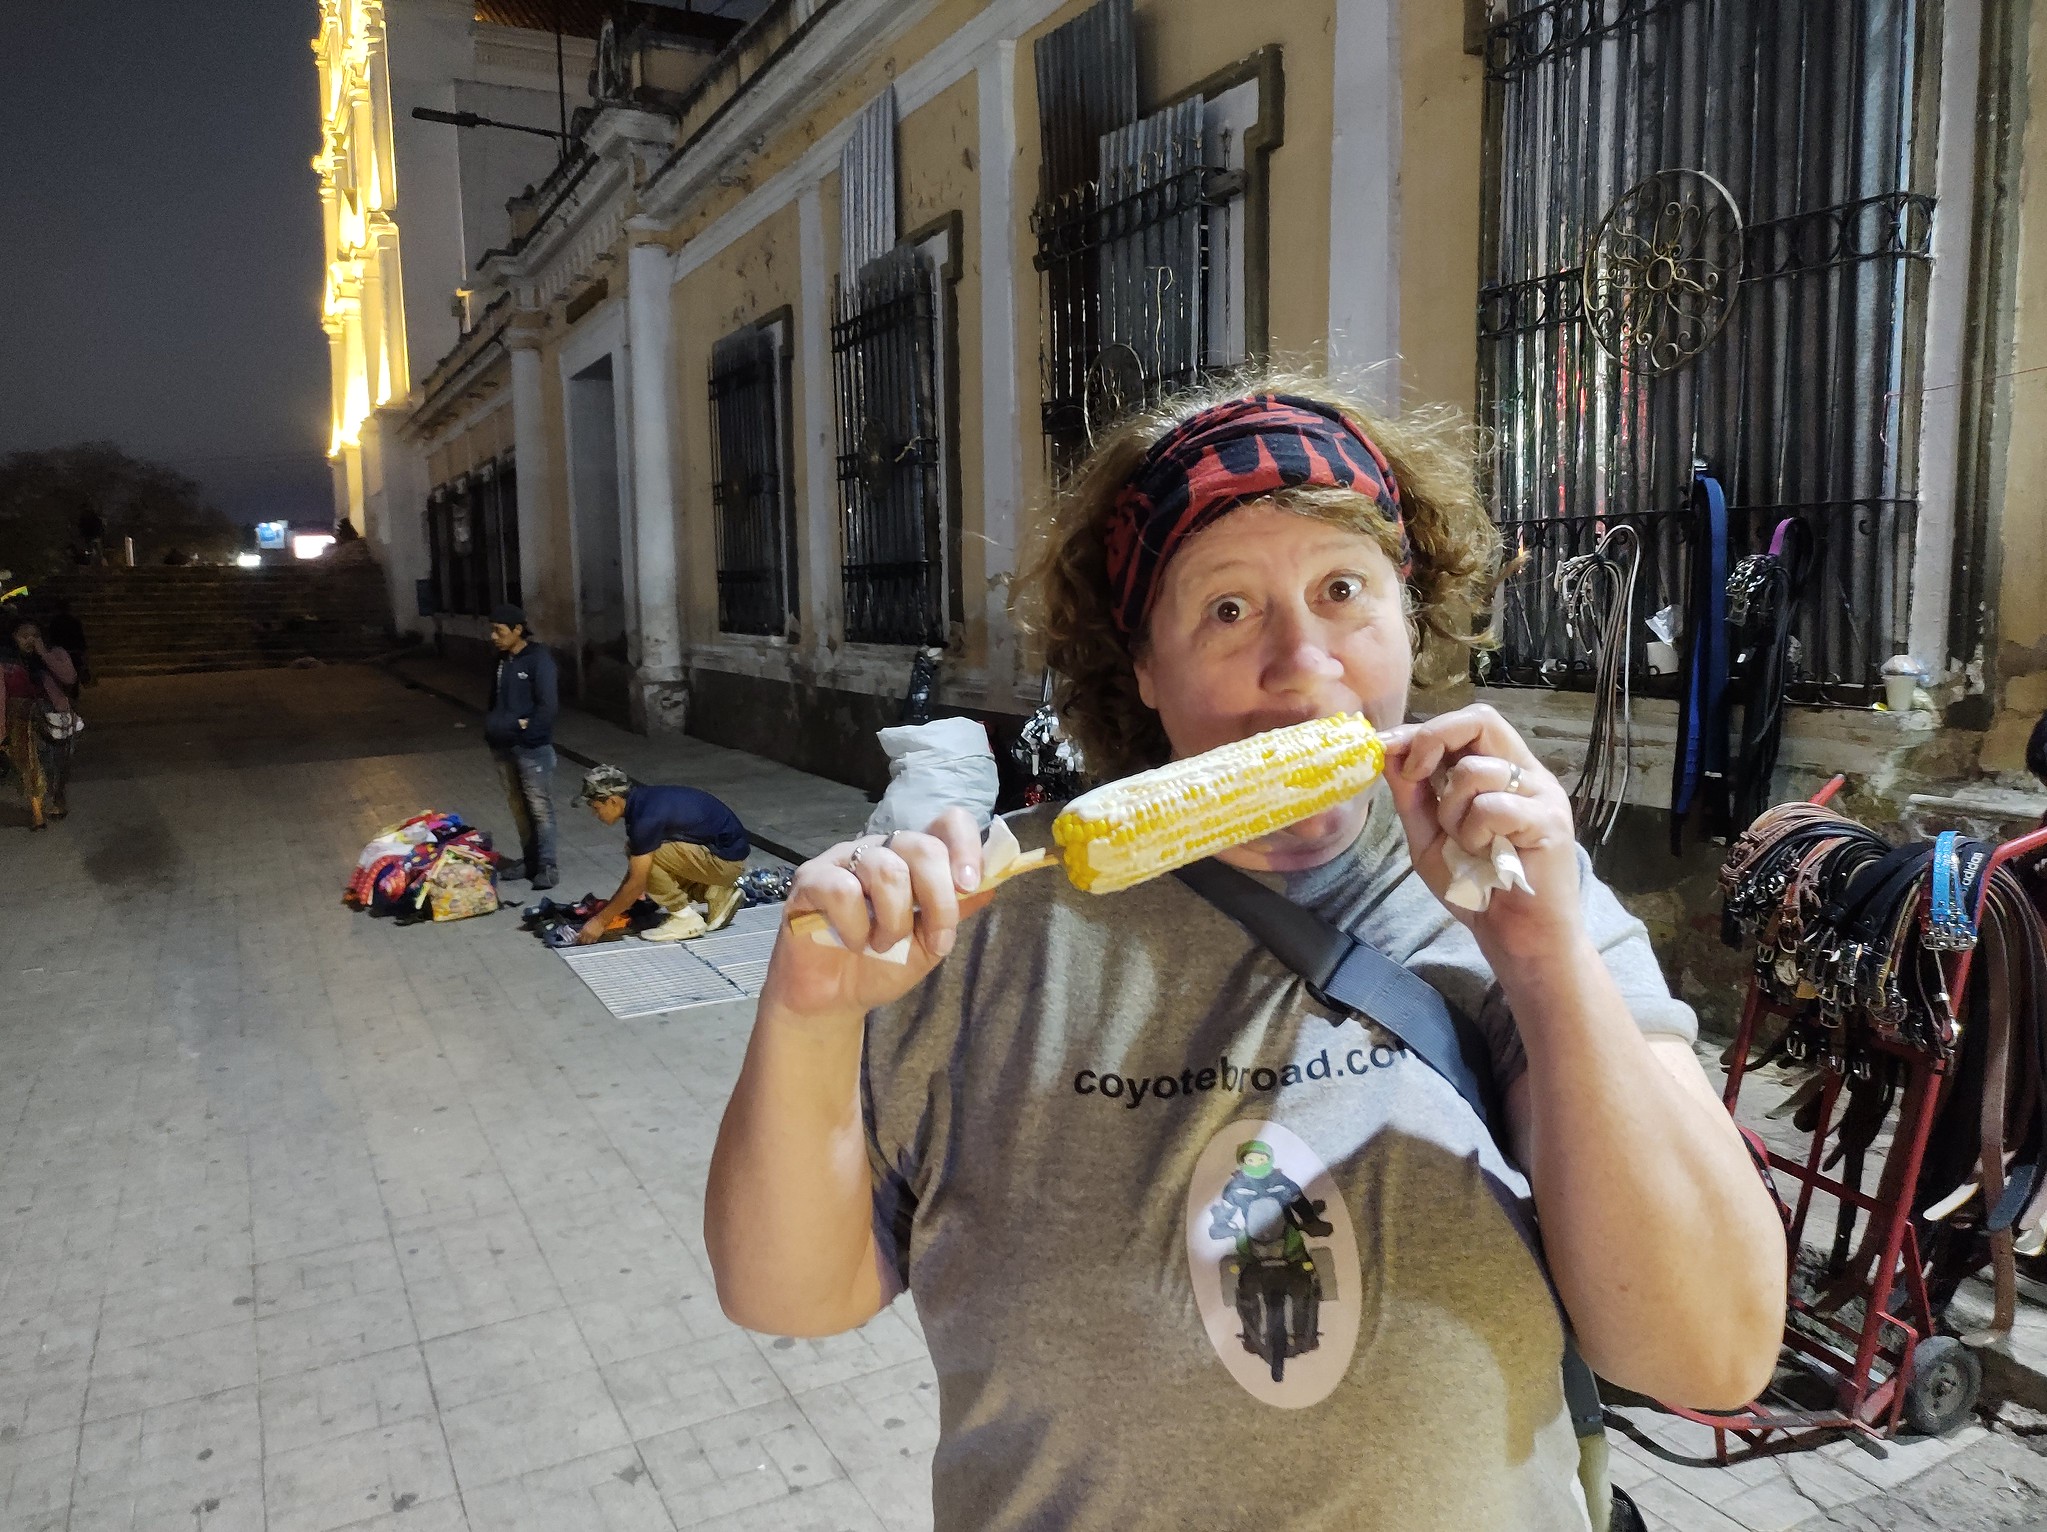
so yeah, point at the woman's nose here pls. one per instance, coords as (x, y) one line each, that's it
(1300, 653)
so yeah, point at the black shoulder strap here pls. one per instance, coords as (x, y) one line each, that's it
(1343, 970)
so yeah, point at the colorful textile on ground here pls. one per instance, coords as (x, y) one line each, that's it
(461, 883)
(559, 924)
(1226, 456)
(431, 867)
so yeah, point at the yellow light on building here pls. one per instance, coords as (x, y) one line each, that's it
(362, 249)
(357, 409)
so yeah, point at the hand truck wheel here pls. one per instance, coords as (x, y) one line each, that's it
(1946, 1377)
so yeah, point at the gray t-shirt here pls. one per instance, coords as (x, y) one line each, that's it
(1189, 1253)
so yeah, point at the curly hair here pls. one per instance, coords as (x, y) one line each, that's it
(1456, 550)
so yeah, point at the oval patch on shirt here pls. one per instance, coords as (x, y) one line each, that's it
(1274, 1263)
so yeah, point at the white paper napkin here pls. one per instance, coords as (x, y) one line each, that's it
(1474, 879)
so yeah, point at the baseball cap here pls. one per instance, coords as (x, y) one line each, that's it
(605, 782)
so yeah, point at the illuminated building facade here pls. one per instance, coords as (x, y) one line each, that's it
(410, 207)
(362, 309)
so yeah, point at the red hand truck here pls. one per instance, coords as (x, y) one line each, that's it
(1893, 1358)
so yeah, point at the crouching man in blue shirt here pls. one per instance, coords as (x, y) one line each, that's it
(682, 846)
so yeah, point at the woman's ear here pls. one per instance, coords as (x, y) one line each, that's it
(1141, 668)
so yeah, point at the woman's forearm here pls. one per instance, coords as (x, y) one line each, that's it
(788, 1213)
(1661, 1239)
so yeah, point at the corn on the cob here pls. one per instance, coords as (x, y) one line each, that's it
(1148, 824)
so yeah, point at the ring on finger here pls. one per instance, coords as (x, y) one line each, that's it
(853, 860)
(1514, 777)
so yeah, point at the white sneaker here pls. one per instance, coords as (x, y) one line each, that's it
(723, 904)
(679, 927)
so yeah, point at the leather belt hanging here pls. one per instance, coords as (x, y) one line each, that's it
(1763, 594)
(1848, 933)
(1700, 771)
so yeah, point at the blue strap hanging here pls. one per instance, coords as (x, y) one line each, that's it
(1701, 764)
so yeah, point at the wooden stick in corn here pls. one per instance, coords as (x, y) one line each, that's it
(1135, 829)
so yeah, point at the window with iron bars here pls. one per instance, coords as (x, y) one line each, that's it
(473, 539)
(1736, 201)
(895, 522)
(1141, 229)
(756, 536)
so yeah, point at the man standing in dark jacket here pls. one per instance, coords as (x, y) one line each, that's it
(519, 728)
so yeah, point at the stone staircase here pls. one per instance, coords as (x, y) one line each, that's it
(156, 621)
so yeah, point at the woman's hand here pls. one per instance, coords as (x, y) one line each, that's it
(875, 891)
(1490, 784)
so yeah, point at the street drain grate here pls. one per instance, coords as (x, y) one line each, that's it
(635, 978)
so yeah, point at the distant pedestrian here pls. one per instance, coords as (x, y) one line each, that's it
(92, 531)
(24, 703)
(681, 845)
(519, 728)
(55, 676)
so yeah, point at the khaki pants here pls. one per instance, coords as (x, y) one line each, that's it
(684, 873)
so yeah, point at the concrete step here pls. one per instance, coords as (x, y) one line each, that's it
(174, 621)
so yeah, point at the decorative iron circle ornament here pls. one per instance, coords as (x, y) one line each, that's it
(1664, 271)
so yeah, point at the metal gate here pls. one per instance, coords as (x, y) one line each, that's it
(746, 484)
(884, 346)
(1127, 231)
(1706, 236)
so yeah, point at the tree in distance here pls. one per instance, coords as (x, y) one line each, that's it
(65, 506)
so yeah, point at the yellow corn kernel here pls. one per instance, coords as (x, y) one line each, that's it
(1178, 813)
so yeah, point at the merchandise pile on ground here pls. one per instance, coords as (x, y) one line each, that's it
(431, 867)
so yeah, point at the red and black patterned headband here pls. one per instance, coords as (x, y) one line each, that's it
(1224, 457)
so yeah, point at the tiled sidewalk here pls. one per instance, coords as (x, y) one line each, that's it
(308, 1221)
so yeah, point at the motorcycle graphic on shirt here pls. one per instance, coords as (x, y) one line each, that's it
(1273, 1279)
(1273, 1261)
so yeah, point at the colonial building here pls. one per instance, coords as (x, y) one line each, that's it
(766, 384)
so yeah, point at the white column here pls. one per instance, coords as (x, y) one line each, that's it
(1364, 201)
(658, 575)
(1947, 341)
(1001, 409)
(529, 444)
(820, 589)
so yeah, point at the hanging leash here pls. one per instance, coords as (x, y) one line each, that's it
(1700, 772)
(1597, 592)
(1763, 595)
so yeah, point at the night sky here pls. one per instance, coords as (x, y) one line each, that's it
(160, 242)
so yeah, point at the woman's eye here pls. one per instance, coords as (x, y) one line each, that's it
(1227, 610)
(1345, 588)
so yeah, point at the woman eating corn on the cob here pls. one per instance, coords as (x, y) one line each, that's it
(1188, 1249)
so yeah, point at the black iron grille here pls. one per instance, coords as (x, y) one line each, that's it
(1124, 263)
(1767, 286)
(746, 484)
(473, 539)
(884, 345)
